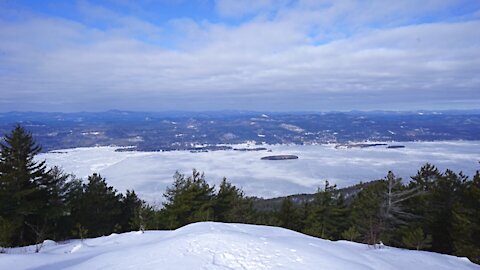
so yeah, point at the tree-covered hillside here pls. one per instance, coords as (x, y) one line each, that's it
(182, 130)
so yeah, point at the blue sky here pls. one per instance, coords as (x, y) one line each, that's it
(260, 55)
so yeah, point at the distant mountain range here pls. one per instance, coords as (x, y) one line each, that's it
(148, 131)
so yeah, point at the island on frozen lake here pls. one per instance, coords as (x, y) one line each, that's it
(280, 157)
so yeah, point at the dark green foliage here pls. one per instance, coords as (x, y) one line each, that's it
(366, 212)
(99, 208)
(231, 205)
(351, 234)
(466, 221)
(289, 216)
(21, 186)
(227, 201)
(55, 196)
(426, 177)
(132, 216)
(415, 238)
(447, 211)
(145, 218)
(327, 218)
(243, 211)
(445, 193)
(79, 231)
(7, 233)
(188, 200)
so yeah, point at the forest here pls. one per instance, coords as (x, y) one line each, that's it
(435, 210)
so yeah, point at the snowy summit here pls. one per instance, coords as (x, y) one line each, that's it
(209, 245)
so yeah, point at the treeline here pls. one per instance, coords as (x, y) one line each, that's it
(435, 211)
(37, 203)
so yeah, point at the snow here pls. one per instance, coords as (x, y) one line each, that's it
(209, 245)
(149, 173)
(293, 128)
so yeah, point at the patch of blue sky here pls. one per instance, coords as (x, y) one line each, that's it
(59, 9)
(456, 13)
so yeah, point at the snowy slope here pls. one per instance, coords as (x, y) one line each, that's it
(209, 245)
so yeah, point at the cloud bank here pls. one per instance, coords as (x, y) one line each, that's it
(256, 55)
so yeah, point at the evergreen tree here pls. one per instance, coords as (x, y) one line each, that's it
(327, 218)
(7, 233)
(74, 205)
(442, 198)
(351, 234)
(132, 217)
(54, 192)
(420, 206)
(188, 200)
(466, 221)
(145, 219)
(98, 209)
(288, 215)
(366, 212)
(473, 204)
(226, 200)
(415, 238)
(243, 210)
(304, 213)
(20, 179)
(230, 204)
(426, 177)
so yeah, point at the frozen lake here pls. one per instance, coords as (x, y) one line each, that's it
(149, 173)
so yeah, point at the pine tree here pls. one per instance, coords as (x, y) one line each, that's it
(421, 206)
(99, 208)
(242, 210)
(366, 212)
(415, 238)
(132, 215)
(226, 200)
(20, 179)
(328, 214)
(426, 177)
(473, 204)
(466, 220)
(443, 196)
(54, 191)
(288, 215)
(351, 234)
(7, 233)
(189, 199)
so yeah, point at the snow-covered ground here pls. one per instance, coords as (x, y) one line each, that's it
(149, 173)
(210, 245)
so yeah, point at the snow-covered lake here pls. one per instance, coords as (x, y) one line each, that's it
(149, 173)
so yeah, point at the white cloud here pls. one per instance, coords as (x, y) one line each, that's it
(310, 50)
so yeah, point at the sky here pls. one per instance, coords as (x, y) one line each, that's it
(262, 55)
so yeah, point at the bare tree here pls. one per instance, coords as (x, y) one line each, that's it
(392, 209)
